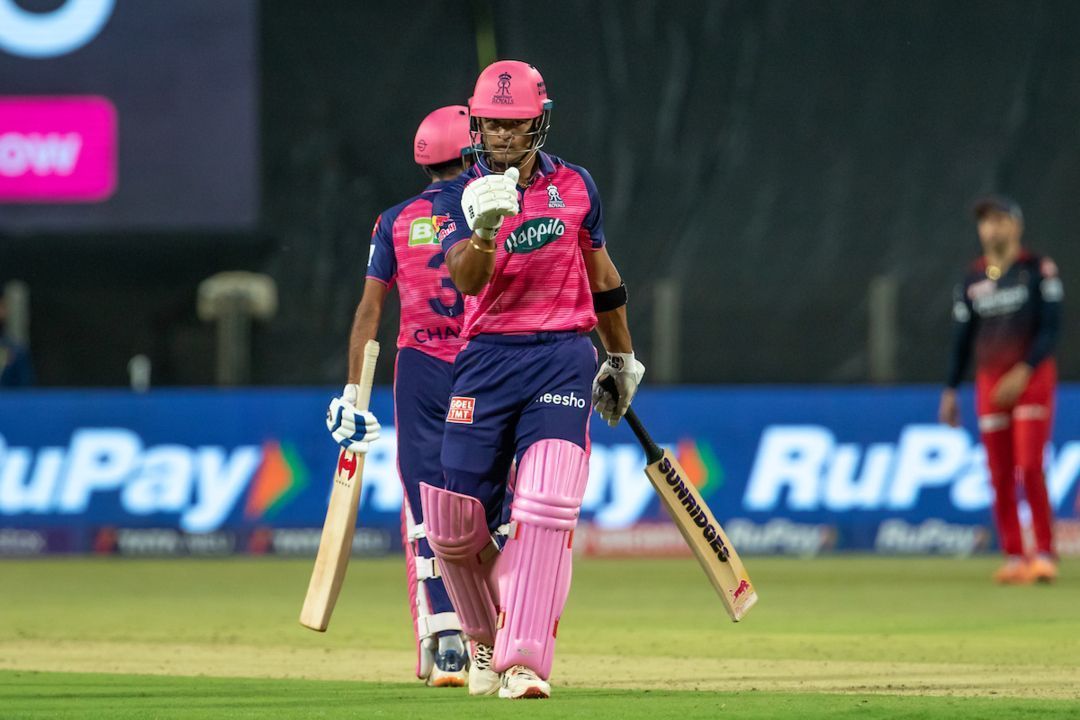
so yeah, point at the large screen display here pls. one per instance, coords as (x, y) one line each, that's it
(128, 114)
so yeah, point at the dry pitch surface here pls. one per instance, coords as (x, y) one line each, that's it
(870, 636)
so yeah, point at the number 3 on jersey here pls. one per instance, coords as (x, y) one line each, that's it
(445, 283)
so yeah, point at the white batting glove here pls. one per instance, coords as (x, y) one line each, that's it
(488, 199)
(625, 370)
(352, 429)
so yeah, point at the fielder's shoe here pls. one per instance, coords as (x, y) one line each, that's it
(450, 663)
(1043, 569)
(482, 679)
(519, 682)
(1015, 571)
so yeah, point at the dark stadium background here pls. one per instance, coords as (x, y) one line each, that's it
(767, 160)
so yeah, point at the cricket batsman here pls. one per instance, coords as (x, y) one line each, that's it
(1008, 308)
(524, 240)
(405, 252)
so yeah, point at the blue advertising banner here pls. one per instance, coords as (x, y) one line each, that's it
(799, 471)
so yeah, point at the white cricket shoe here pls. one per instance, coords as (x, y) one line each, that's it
(482, 679)
(520, 682)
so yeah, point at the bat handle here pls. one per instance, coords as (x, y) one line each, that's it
(653, 452)
(367, 374)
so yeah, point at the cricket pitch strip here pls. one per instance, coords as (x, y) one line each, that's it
(571, 670)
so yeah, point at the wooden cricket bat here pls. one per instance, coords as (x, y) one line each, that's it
(335, 545)
(695, 521)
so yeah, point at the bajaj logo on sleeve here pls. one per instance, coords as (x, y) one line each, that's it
(534, 235)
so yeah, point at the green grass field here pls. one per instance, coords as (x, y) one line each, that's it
(838, 637)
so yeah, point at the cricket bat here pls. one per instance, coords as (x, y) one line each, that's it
(696, 522)
(335, 545)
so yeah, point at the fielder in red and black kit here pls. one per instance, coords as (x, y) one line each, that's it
(1008, 309)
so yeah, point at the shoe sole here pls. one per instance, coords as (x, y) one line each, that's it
(448, 681)
(531, 693)
(534, 693)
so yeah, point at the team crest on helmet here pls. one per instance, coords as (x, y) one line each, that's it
(503, 96)
(421, 146)
(554, 201)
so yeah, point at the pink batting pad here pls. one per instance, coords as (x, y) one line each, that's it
(458, 534)
(57, 149)
(534, 569)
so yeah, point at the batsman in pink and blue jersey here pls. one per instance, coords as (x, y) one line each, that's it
(523, 236)
(406, 253)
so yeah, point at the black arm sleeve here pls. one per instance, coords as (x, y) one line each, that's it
(1049, 319)
(962, 337)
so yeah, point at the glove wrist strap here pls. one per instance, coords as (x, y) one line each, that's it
(620, 361)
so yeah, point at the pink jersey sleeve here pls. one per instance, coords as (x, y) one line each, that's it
(382, 263)
(591, 234)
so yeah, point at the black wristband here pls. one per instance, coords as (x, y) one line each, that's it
(608, 300)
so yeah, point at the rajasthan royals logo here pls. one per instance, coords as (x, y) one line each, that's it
(503, 96)
(554, 201)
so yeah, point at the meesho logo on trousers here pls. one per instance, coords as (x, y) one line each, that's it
(57, 149)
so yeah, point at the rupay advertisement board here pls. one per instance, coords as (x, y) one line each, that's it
(798, 471)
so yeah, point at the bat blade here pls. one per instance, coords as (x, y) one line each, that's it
(335, 544)
(704, 535)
